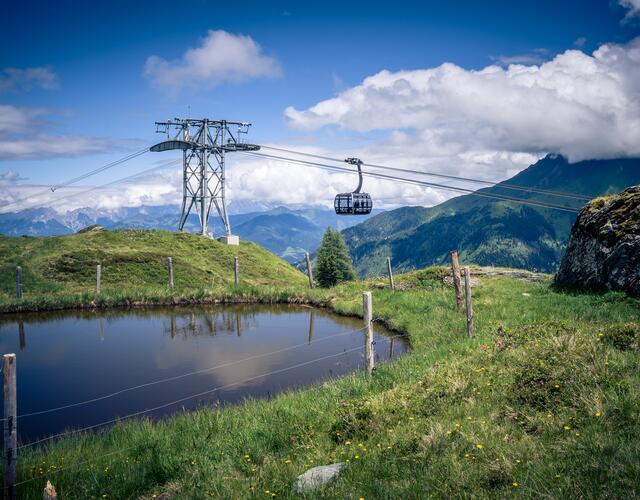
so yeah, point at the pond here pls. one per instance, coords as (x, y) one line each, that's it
(161, 360)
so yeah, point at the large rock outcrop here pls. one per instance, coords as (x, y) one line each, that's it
(604, 247)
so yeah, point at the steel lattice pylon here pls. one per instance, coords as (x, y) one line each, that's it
(204, 144)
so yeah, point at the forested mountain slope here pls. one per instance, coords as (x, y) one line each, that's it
(488, 231)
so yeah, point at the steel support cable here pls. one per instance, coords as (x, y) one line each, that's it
(117, 181)
(79, 178)
(177, 377)
(128, 448)
(186, 398)
(99, 169)
(575, 196)
(419, 182)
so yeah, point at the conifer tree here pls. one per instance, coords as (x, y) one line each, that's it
(333, 260)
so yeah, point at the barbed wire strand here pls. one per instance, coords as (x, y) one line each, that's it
(177, 377)
(186, 398)
(122, 450)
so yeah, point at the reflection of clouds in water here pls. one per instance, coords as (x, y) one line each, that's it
(178, 354)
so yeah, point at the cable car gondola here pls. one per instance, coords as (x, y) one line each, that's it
(355, 203)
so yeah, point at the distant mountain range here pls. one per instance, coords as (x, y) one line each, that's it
(287, 232)
(488, 231)
(484, 231)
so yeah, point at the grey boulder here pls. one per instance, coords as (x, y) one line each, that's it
(604, 247)
(317, 477)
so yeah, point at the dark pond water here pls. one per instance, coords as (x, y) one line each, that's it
(241, 351)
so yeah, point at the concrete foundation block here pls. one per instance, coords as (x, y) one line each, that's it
(231, 239)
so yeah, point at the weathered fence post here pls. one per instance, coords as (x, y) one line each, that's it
(98, 277)
(49, 492)
(467, 293)
(236, 277)
(455, 272)
(18, 282)
(369, 353)
(309, 270)
(391, 283)
(170, 270)
(10, 427)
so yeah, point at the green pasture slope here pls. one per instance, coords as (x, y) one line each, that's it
(543, 402)
(61, 270)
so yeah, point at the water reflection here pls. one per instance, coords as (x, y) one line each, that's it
(244, 351)
(23, 339)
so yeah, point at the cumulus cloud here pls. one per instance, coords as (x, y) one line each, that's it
(23, 135)
(220, 57)
(579, 105)
(25, 79)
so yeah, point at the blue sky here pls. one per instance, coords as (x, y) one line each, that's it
(95, 54)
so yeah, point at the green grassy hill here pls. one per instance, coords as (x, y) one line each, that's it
(488, 231)
(133, 259)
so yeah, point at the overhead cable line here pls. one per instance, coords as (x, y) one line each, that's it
(434, 185)
(505, 185)
(176, 377)
(99, 186)
(99, 169)
(86, 175)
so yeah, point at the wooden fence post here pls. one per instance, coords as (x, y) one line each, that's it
(467, 293)
(309, 270)
(170, 270)
(236, 277)
(49, 492)
(369, 353)
(98, 278)
(18, 282)
(10, 425)
(391, 283)
(455, 272)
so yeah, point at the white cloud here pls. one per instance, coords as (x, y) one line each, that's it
(220, 57)
(632, 5)
(24, 136)
(583, 106)
(25, 79)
